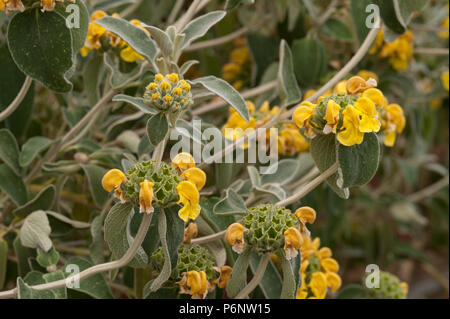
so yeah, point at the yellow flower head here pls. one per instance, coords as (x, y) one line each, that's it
(112, 180)
(158, 77)
(357, 84)
(196, 176)
(376, 96)
(332, 117)
(366, 75)
(444, 79)
(318, 284)
(152, 86)
(369, 116)
(189, 197)
(173, 77)
(194, 283)
(190, 232)
(146, 197)
(235, 237)
(224, 275)
(185, 86)
(350, 134)
(292, 242)
(183, 161)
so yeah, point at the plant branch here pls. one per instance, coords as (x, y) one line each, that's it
(256, 278)
(123, 261)
(218, 41)
(17, 100)
(303, 190)
(209, 238)
(432, 51)
(429, 191)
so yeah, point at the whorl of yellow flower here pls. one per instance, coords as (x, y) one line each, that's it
(224, 276)
(290, 141)
(146, 197)
(239, 59)
(292, 242)
(399, 51)
(319, 271)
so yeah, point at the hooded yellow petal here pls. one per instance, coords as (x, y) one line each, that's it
(235, 237)
(333, 281)
(292, 242)
(329, 264)
(183, 161)
(189, 197)
(146, 197)
(195, 176)
(306, 214)
(113, 179)
(318, 285)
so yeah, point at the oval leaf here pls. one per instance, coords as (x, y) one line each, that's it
(287, 84)
(157, 127)
(32, 148)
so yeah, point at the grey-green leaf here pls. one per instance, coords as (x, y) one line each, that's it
(9, 150)
(13, 185)
(310, 60)
(32, 148)
(287, 84)
(198, 27)
(157, 127)
(134, 36)
(44, 200)
(162, 39)
(24, 291)
(238, 278)
(359, 163)
(94, 175)
(231, 204)
(35, 231)
(226, 92)
(46, 259)
(138, 102)
(36, 40)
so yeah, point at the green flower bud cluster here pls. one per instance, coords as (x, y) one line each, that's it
(390, 288)
(168, 94)
(165, 179)
(266, 225)
(190, 257)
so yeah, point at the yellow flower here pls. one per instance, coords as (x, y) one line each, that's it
(158, 77)
(333, 281)
(185, 86)
(329, 264)
(395, 123)
(306, 214)
(350, 135)
(173, 77)
(177, 91)
(196, 176)
(194, 283)
(11, 5)
(235, 237)
(444, 34)
(152, 86)
(291, 141)
(444, 79)
(190, 232)
(303, 113)
(128, 54)
(95, 33)
(309, 93)
(155, 96)
(376, 96)
(318, 285)
(183, 161)
(112, 180)
(292, 242)
(48, 5)
(309, 247)
(165, 86)
(399, 51)
(189, 197)
(146, 196)
(357, 84)
(324, 252)
(168, 98)
(332, 117)
(405, 287)
(378, 42)
(341, 87)
(366, 75)
(224, 275)
(369, 115)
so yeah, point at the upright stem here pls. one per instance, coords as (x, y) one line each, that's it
(259, 274)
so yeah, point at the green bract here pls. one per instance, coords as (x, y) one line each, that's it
(266, 225)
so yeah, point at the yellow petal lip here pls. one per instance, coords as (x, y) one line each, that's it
(190, 232)
(303, 113)
(235, 237)
(376, 96)
(350, 133)
(357, 84)
(194, 283)
(306, 214)
(146, 197)
(183, 161)
(224, 275)
(318, 285)
(333, 281)
(196, 176)
(329, 264)
(189, 197)
(292, 242)
(113, 179)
